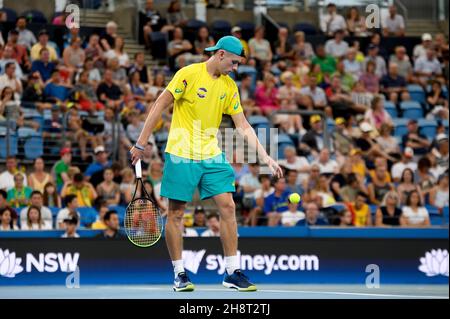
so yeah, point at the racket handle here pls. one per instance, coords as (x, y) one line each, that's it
(138, 169)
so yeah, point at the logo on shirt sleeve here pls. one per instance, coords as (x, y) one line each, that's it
(178, 91)
(184, 83)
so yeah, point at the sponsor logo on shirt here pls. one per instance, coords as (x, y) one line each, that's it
(201, 92)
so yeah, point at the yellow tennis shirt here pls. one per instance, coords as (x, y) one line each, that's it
(200, 102)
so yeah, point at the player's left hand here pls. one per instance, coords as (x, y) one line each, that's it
(136, 155)
(274, 167)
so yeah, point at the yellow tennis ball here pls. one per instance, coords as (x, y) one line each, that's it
(294, 198)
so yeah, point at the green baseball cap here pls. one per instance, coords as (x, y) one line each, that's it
(230, 44)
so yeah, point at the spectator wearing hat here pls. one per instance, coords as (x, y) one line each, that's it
(313, 141)
(393, 24)
(414, 139)
(368, 145)
(71, 227)
(332, 21)
(406, 162)
(199, 218)
(342, 141)
(440, 152)
(101, 162)
(337, 47)
(61, 167)
(236, 31)
(421, 49)
(43, 43)
(26, 37)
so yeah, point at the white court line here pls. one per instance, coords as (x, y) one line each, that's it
(294, 291)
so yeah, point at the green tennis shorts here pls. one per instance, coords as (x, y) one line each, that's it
(181, 176)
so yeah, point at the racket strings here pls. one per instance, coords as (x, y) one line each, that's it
(143, 222)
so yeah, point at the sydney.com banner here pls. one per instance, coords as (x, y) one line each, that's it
(266, 260)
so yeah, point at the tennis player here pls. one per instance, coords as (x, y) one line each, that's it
(201, 93)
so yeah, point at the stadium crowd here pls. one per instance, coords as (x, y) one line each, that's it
(367, 170)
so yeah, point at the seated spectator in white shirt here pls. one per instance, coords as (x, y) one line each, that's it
(293, 162)
(316, 93)
(393, 24)
(351, 65)
(414, 214)
(327, 165)
(406, 162)
(427, 67)
(71, 209)
(9, 79)
(37, 199)
(421, 49)
(405, 68)
(34, 220)
(332, 21)
(337, 47)
(71, 227)
(7, 177)
(213, 224)
(292, 216)
(7, 57)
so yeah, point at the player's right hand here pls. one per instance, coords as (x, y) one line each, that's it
(136, 155)
(274, 167)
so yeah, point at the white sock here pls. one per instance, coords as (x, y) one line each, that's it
(232, 264)
(177, 266)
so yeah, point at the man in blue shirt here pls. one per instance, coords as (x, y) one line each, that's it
(312, 217)
(276, 203)
(94, 172)
(55, 91)
(43, 65)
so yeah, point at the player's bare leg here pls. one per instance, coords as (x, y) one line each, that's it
(174, 242)
(234, 278)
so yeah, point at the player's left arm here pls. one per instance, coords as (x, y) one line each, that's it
(247, 131)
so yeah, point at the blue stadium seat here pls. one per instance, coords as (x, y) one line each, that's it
(35, 16)
(159, 45)
(34, 147)
(411, 110)
(417, 93)
(330, 125)
(55, 211)
(445, 215)
(120, 211)
(445, 122)
(436, 220)
(220, 28)
(391, 109)
(257, 119)
(400, 127)
(13, 148)
(283, 141)
(428, 128)
(309, 29)
(373, 209)
(248, 29)
(88, 215)
(432, 210)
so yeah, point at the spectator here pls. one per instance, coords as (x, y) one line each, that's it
(56, 91)
(406, 162)
(337, 47)
(420, 50)
(345, 218)
(406, 186)
(43, 43)
(179, 50)
(293, 162)
(293, 184)
(43, 65)
(39, 177)
(440, 152)
(71, 202)
(427, 67)
(7, 177)
(377, 115)
(112, 230)
(424, 178)
(389, 213)
(358, 163)
(94, 52)
(84, 191)
(71, 227)
(340, 101)
(322, 193)
(118, 52)
(62, 167)
(351, 65)
(19, 195)
(36, 199)
(393, 85)
(414, 139)
(250, 183)
(99, 224)
(175, 15)
(313, 141)
(312, 216)
(8, 57)
(332, 21)
(51, 197)
(6, 219)
(436, 96)
(439, 194)
(356, 24)
(327, 62)
(199, 217)
(108, 190)
(108, 39)
(3, 200)
(86, 96)
(10, 80)
(150, 21)
(350, 191)
(292, 216)
(19, 51)
(109, 93)
(387, 142)
(237, 32)
(378, 188)
(186, 226)
(259, 47)
(203, 41)
(277, 202)
(401, 59)
(393, 24)
(327, 165)
(213, 225)
(283, 47)
(140, 67)
(266, 95)
(302, 49)
(361, 211)
(101, 163)
(380, 64)
(347, 79)
(316, 93)
(74, 56)
(26, 37)
(369, 79)
(260, 196)
(414, 213)
(34, 220)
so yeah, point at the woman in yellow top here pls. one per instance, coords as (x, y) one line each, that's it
(39, 177)
(362, 216)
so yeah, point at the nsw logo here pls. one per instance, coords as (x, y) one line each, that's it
(9, 264)
(192, 259)
(435, 263)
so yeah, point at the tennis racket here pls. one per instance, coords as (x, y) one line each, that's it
(143, 220)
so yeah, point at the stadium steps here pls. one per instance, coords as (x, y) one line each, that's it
(97, 18)
(415, 27)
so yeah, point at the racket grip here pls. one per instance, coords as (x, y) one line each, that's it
(138, 169)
